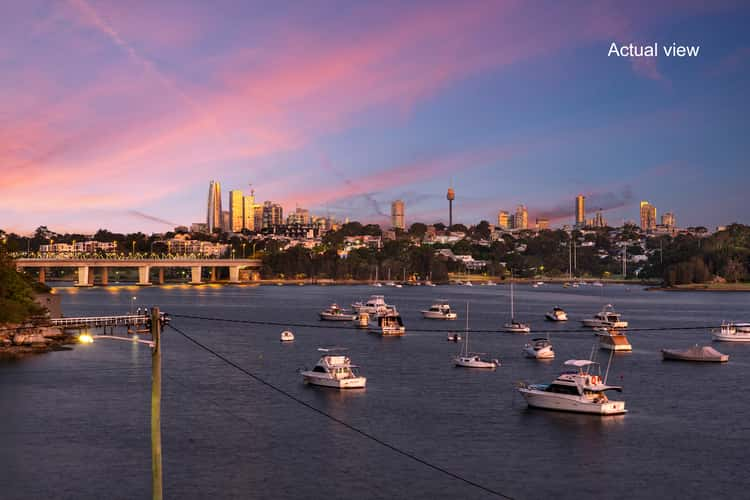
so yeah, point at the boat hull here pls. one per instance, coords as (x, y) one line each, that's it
(668, 355)
(347, 383)
(561, 402)
(437, 315)
(732, 337)
(336, 317)
(552, 317)
(545, 353)
(470, 363)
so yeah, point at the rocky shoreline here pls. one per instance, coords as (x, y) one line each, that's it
(27, 339)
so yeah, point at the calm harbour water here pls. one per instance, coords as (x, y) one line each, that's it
(75, 424)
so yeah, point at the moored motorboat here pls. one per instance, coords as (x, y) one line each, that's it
(389, 324)
(557, 314)
(607, 318)
(577, 391)
(334, 370)
(614, 340)
(539, 349)
(439, 310)
(335, 313)
(454, 338)
(374, 305)
(286, 336)
(731, 332)
(695, 353)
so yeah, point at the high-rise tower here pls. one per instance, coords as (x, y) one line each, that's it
(236, 210)
(450, 197)
(580, 210)
(397, 215)
(648, 216)
(213, 216)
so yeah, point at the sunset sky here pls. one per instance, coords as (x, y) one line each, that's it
(118, 114)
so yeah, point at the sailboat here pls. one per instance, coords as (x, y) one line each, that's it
(468, 359)
(515, 326)
(377, 282)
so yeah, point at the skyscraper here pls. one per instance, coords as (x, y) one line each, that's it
(236, 211)
(213, 216)
(502, 220)
(397, 215)
(542, 224)
(580, 210)
(248, 213)
(273, 214)
(668, 220)
(450, 197)
(521, 220)
(648, 216)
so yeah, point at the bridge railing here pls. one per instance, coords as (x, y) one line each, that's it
(98, 321)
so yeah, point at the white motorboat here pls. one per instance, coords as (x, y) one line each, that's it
(557, 314)
(606, 318)
(377, 284)
(614, 340)
(454, 338)
(597, 283)
(334, 370)
(286, 336)
(466, 359)
(429, 283)
(696, 353)
(439, 310)
(389, 324)
(539, 349)
(468, 283)
(730, 332)
(578, 391)
(335, 313)
(374, 305)
(491, 283)
(515, 326)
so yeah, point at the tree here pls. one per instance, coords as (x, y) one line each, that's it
(734, 270)
(418, 229)
(16, 293)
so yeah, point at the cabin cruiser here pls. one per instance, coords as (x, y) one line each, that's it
(539, 349)
(335, 313)
(614, 340)
(374, 305)
(729, 332)
(439, 310)
(578, 391)
(557, 314)
(607, 318)
(389, 324)
(286, 336)
(334, 370)
(742, 327)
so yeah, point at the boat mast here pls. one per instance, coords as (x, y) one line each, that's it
(466, 330)
(512, 310)
(609, 363)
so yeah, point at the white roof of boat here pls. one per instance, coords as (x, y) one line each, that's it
(579, 362)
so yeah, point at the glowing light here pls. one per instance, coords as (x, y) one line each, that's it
(85, 338)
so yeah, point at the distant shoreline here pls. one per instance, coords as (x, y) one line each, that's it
(703, 287)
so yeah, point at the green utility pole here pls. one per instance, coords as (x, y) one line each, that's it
(156, 476)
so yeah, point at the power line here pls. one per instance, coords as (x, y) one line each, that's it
(339, 421)
(431, 330)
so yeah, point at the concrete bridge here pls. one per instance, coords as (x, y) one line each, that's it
(86, 266)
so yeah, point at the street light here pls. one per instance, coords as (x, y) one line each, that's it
(243, 250)
(155, 344)
(132, 304)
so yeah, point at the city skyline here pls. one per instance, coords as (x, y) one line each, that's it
(117, 117)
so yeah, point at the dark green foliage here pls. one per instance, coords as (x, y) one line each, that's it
(16, 293)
